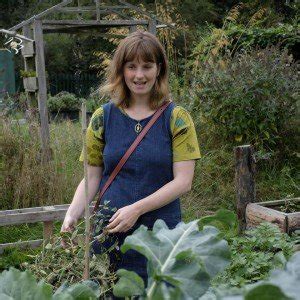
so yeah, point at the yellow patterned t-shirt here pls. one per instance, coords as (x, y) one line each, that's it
(184, 139)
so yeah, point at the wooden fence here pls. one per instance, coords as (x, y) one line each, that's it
(45, 214)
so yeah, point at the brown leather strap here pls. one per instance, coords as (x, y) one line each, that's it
(129, 151)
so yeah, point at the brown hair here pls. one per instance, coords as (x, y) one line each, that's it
(142, 45)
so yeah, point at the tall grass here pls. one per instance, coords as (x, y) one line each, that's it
(25, 181)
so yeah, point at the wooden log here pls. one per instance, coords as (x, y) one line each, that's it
(42, 90)
(244, 181)
(21, 245)
(256, 214)
(40, 15)
(293, 221)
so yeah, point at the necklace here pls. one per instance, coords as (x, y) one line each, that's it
(138, 127)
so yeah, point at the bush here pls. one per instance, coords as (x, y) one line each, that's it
(251, 98)
(64, 101)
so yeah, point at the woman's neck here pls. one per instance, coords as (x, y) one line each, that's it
(139, 103)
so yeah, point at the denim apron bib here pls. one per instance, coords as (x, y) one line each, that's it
(148, 168)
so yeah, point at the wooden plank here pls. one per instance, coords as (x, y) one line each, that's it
(293, 221)
(101, 23)
(278, 202)
(80, 29)
(15, 34)
(32, 217)
(256, 214)
(84, 9)
(244, 181)
(35, 214)
(21, 245)
(42, 89)
(42, 14)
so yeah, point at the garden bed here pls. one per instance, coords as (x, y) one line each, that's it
(284, 213)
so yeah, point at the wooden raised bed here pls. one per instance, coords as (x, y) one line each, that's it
(269, 211)
(250, 212)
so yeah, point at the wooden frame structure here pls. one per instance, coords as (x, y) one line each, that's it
(35, 27)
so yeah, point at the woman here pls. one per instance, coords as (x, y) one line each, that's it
(161, 168)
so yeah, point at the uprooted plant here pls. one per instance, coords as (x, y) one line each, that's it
(57, 265)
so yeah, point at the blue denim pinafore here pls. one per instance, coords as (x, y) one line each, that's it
(148, 168)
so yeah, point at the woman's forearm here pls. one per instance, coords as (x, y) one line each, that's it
(166, 194)
(77, 206)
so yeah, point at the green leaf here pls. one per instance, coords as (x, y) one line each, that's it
(129, 284)
(225, 220)
(266, 292)
(184, 256)
(16, 285)
(85, 290)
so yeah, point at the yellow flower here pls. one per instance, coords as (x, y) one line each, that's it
(238, 138)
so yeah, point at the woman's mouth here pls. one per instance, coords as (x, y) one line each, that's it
(139, 83)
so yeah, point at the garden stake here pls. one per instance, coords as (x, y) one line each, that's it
(86, 272)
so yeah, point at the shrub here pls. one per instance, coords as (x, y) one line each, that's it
(250, 98)
(64, 101)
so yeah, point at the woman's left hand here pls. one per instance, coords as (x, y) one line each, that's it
(123, 219)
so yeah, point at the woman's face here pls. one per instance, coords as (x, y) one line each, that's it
(140, 76)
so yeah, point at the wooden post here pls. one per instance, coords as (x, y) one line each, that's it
(244, 180)
(152, 26)
(98, 9)
(86, 273)
(42, 89)
(47, 231)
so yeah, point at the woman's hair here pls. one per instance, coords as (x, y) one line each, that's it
(141, 45)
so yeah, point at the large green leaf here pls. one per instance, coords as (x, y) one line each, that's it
(129, 284)
(184, 256)
(16, 285)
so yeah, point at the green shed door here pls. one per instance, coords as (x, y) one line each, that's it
(7, 73)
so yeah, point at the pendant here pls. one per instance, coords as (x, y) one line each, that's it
(138, 127)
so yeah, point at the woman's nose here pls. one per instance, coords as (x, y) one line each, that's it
(139, 73)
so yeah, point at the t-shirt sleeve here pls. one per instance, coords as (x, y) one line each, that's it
(94, 140)
(184, 138)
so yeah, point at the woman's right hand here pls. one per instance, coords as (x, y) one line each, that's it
(68, 225)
